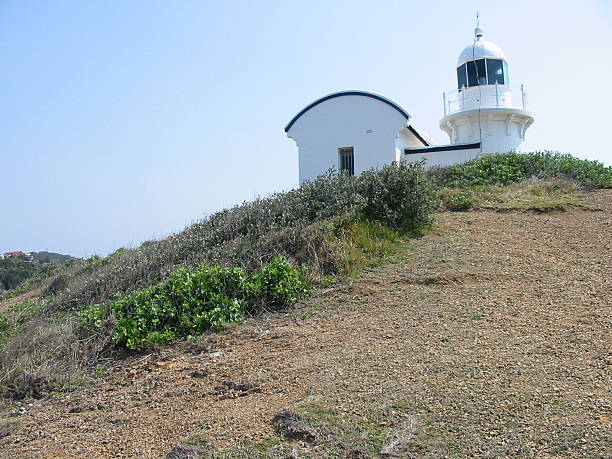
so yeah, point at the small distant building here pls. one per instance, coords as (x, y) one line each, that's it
(354, 131)
(14, 254)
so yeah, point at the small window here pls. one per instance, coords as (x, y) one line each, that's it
(347, 160)
(461, 77)
(495, 71)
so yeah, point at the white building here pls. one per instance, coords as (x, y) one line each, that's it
(353, 131)
(357, 130)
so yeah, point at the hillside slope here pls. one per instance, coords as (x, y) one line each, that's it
(487, 337)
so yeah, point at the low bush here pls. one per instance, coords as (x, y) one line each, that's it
(516, 167)
(399, 196)
(42, 355)
(192, 302)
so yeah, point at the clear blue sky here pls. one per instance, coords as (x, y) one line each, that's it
(122, 121)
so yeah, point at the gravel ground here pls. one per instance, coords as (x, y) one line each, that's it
(489, 337)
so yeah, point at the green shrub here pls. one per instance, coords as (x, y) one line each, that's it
(515, 167)
(276, 284)
(399, 195)
(181, 285)
(191, 302)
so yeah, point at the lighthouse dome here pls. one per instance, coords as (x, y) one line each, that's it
(481, 48)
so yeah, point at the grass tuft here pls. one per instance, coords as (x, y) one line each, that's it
(535, 196)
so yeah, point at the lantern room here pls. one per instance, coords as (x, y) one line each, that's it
(485, 109)
(482, 63)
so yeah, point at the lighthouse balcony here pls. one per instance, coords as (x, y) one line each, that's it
(485, 96)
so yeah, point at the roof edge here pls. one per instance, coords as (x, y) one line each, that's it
(372, 95)
(437, 148)
(418, 135)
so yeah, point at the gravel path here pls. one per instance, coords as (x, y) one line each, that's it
(489, 337)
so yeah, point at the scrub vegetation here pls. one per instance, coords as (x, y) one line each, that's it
(259, 256)
(191, 302)
(540, 182)
(515, 167)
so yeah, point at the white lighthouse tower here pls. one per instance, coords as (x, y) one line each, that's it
(485, 109)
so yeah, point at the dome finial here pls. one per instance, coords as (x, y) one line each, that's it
(478, 31)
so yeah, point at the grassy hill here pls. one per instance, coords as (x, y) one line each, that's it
(369, 337)
(51, 257)
(16, 270)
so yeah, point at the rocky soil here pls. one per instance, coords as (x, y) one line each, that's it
(489, 337)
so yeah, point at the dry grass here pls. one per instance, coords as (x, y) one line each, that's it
(488, 337)
(30, 295)
(535, 196)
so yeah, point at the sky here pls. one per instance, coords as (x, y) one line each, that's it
(125, 121)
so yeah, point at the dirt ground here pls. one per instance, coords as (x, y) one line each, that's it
(488, 337)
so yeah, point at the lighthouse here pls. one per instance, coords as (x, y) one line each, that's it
(353, 131)
(485, 109)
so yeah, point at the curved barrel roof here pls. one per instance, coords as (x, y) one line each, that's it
(389, 102)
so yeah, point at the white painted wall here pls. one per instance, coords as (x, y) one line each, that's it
(405, 139)
(501, 130)
(443, 158)
(368, 125)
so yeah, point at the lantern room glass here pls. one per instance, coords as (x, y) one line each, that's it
(482, 72)
(495, 71)
(461, 77)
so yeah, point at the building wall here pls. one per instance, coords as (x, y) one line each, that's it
(405, 139)
(443, 158)
(368, 125)
(500, 130)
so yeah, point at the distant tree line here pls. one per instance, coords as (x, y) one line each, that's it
(16, 269)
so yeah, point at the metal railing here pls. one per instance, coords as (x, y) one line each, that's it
(484, 96)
